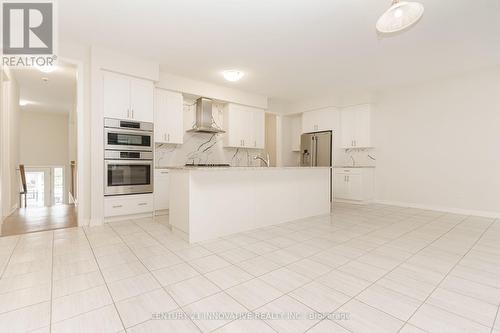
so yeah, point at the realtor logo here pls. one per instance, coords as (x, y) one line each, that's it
(27, 28)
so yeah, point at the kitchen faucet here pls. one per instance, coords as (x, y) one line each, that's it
(353, 161)
(267, 160)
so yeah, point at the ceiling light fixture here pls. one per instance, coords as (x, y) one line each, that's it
(400, 16)
(46, 69)
(23, 102)
(233, 75)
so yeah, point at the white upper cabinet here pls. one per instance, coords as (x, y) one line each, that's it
(125, 97)
(320, 120)
(141, 99)
(259, 122)
(116, 96)
(356, 124)
(168, 117)
(296, 131)
(244, 126)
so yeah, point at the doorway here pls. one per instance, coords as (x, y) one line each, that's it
(45, 186)
(44, 105)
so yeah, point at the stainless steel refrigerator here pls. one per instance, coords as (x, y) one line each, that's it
(316, 149)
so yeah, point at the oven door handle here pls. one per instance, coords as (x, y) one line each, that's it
(131, 162)
(129, 131)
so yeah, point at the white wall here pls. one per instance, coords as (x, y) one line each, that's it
(200, 88)
(438, 144)
(44, 139)
(9, 142)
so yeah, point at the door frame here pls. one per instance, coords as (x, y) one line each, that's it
(82, 202)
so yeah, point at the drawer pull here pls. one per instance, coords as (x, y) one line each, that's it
(143, 204)
(117, 206)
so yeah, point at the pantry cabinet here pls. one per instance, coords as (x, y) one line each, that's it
(244, 126)
(356, 126)
(128, 98)
(353, 184)
(168, 117)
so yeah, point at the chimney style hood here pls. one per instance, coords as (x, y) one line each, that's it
(204, 120)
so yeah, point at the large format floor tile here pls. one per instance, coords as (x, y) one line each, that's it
(370, 268)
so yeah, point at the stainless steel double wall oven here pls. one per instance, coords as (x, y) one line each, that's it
(128, 157)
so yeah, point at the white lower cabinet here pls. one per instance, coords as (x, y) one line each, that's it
(161, 194)
(353, 184)
(121, 205)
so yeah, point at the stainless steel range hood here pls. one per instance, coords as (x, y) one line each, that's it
(204, 120)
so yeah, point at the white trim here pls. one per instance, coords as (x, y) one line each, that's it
(460, 211)
(80, 140)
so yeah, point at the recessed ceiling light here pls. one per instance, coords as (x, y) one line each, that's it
(233, 75)
(46, 69)
(400, 16)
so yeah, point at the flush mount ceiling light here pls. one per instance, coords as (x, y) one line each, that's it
(400, 16)
(46, 69)
(23, 102)
(233, 75)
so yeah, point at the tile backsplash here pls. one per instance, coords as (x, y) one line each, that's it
(204, 148)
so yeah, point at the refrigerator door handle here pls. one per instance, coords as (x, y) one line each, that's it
(314, 160)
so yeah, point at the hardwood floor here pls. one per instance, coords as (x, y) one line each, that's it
(27, 220)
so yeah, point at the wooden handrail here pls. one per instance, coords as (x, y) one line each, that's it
(24, 190)
(73, 179)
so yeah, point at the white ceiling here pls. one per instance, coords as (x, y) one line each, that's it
(57, 94)
(291, 49)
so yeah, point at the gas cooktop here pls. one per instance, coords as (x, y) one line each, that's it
(208, 165)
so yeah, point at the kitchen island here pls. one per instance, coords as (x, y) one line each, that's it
(207, 203)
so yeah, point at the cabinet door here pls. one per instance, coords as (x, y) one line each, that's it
(116, 96)
(309, 122)
(175, 117)
(232, 125)
(296, 132)
(363, 127)
(259, 128)
(160, 115)
(348, 127)
(161, 190)
(141, 99)
(355, 187)
(340, 190)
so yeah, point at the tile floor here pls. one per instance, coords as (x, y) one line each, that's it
(365, 269)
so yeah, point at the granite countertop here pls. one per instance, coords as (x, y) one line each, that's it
(191, 168)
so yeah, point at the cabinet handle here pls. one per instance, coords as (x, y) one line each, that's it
(132, 113)
(128, 113)
(348, 179)
(117, 206)
(142, 204)
(168, 137)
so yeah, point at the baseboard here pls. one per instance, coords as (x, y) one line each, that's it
(460, 211)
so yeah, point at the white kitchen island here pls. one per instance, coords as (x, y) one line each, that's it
(206, 203)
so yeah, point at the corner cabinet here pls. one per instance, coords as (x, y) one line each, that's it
(353, 184)
(168, 117)
(125, 97)
(244, 126)
(355, 125)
